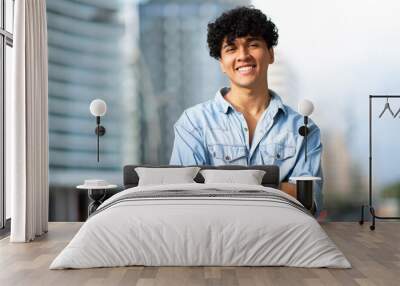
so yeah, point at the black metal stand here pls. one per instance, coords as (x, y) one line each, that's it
(304, 192)
(370, 203)
(96, 196)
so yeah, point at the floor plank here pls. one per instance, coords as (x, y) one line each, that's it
(374, 255)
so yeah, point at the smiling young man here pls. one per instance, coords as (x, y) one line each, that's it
(246, 123)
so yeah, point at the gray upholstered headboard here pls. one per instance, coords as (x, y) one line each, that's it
(270, 179)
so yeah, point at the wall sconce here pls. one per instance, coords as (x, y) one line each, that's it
(98, 108)
(305, 108)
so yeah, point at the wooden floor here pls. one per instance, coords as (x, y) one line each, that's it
(374, 255)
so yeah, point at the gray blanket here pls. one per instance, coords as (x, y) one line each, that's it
(202, 194)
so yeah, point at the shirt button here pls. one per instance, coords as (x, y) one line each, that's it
(278, 156)
(245, 129)
(227, 158)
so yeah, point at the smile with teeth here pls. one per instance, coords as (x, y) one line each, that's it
(246, 69)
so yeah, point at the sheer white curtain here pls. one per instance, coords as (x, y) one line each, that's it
(26, 119)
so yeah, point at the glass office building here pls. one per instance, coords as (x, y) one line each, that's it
(90, 56)
(176, 67)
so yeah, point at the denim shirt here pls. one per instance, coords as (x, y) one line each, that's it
(214, 133)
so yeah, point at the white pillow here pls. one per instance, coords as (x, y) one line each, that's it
(249, 177)
(164, 176)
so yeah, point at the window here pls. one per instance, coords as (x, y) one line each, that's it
(6, 44)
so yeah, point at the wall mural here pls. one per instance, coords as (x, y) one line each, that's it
(149, 61)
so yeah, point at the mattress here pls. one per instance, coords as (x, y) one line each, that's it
(201, 225)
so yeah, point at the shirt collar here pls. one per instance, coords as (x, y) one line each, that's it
(277, 101)
(224, 106)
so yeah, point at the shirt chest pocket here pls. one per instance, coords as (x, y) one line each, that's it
(279, 151)
(277, 154)
(227, 154)
(282, 147)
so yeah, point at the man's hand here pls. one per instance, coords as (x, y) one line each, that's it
(289, 189)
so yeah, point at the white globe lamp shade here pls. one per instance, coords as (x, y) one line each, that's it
(306, 107)
(98, 107)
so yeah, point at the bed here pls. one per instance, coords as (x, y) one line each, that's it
(201, 224)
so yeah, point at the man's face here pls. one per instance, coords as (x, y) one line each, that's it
(245, 61)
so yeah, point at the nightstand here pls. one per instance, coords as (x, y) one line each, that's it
(96, 195)
(304, 190)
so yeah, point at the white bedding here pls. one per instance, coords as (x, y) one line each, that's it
(182, 231)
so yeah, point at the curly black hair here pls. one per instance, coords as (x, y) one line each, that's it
(240, 22)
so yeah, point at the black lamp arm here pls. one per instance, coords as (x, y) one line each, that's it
(303, 131)
(100, 131)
